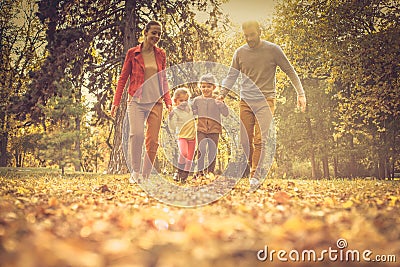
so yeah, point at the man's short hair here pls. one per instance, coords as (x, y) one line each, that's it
(251, 24)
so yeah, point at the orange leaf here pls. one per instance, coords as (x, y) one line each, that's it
(281, 197)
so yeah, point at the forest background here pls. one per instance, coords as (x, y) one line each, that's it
(61, 60)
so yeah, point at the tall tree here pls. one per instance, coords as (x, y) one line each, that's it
(22, 46)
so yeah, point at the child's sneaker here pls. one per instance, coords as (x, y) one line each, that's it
(210, 175)
(254, 184)
(184, 175)
(199, 175)
(134, 178)
(177, 176)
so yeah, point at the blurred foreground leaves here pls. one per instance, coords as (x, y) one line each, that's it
(102, 220)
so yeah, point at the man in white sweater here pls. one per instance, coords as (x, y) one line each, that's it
(256, 63)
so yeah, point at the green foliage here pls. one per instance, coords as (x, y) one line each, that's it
(354, 46)
(24, 146)
(61, 135)
(95, 151)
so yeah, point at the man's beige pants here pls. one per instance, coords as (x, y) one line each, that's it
(256, 117)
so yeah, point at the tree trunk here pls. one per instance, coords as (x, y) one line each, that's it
(335, 167)
(77, 164)
(312, 152)
(395, 151)
(96, 163)
(325, 166)
(3, 150)
(16, 156)
(392, 170)
(336, 160)
(117, 162)
(23, 158)
(387, 168)
(382, 168)
(352, 163)
(381, 156)
(3, 141)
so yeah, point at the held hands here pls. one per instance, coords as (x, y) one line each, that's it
(220, 98)
(219, 101)
(169, 107)
(301, 103)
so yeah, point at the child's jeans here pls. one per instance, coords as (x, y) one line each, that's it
(210, 141)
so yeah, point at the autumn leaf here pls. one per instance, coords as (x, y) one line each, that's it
(348, 204)
(84, 226)
(281, 197)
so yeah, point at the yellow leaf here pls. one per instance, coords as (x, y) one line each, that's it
(244, 208)
(195, 231)
(294, 224)
(393, 200)
(22, 191)
(328, 201)
(53, 202)
(348, 204)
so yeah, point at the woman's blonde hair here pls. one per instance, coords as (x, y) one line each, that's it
(182, 91)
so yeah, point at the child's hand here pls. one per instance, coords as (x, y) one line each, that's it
(169, 107)
(171, 113)
(220, 98)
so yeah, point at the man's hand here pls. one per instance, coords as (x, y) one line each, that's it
(114, 109)
(301, 102)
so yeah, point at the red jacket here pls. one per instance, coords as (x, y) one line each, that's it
(134, 68)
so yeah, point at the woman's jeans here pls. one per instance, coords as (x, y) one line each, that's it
(139, 116)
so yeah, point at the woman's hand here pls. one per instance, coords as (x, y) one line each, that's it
(114, 109)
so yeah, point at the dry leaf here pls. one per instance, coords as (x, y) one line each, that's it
(281, 197)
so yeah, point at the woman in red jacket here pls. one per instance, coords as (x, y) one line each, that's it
(144, 65)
